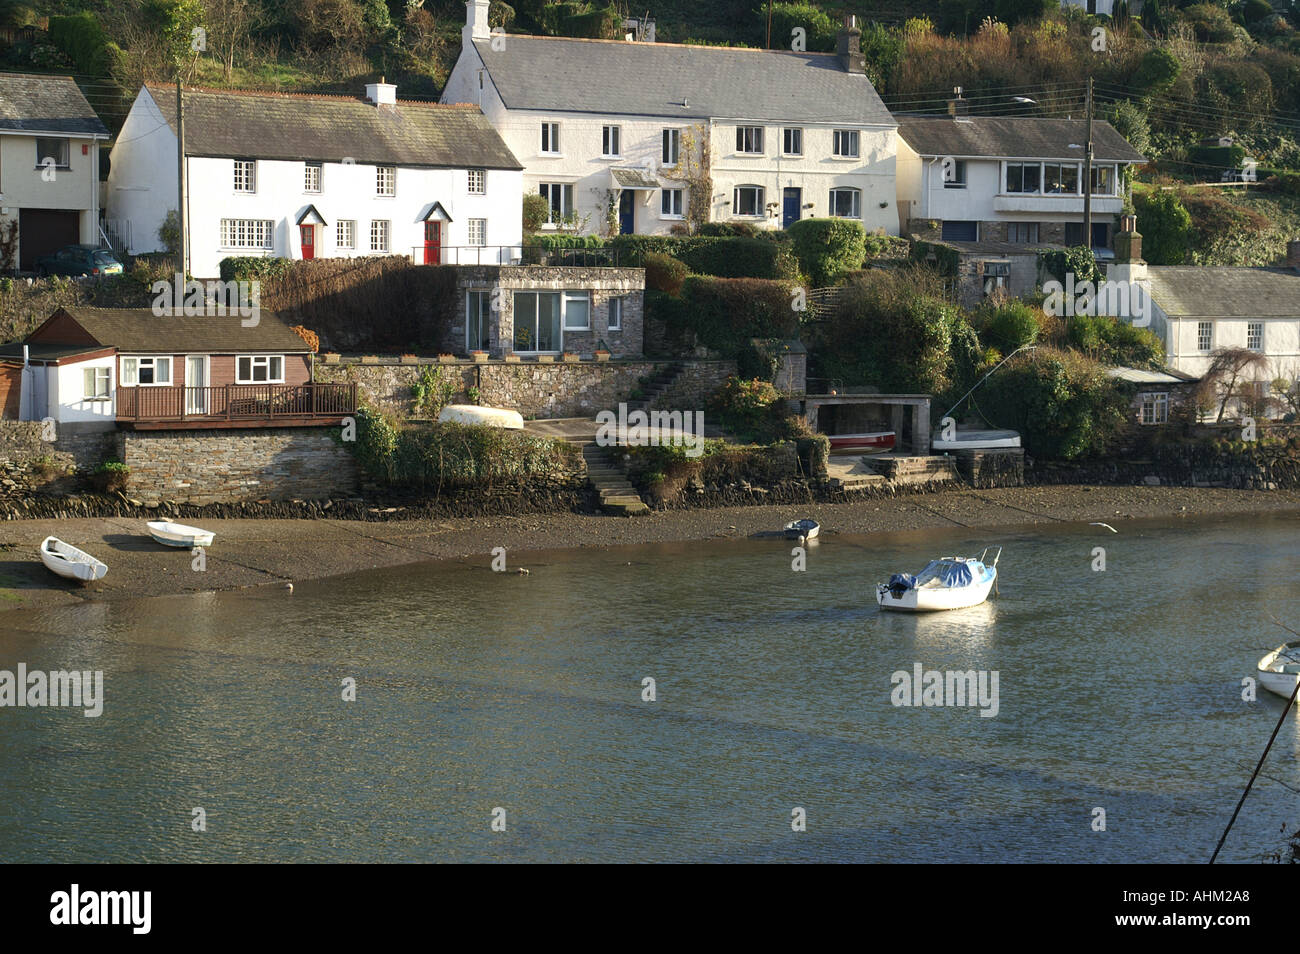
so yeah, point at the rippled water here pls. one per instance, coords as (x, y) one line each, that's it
(1118, 689)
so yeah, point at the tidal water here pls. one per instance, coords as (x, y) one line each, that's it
(483, 697)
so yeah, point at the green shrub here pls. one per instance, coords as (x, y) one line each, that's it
(817, 25)
(80, 37)
(1166, 228)
(664, 273)
(725, 313)
(1012, 325)
(110, 477)
(535, 212)
(827, 249)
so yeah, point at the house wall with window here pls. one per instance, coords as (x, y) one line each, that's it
(82, 391)
(351, 209)
(548, 310)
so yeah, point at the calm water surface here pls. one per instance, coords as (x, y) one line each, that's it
(1118, 689)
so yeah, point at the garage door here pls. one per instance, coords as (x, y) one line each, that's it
(42, 231)
(960, 231)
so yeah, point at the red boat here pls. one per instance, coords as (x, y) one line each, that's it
(875, 441)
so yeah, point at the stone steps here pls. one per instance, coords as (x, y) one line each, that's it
(617, 495)
(657, 385)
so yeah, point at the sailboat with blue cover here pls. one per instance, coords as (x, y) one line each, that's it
(947, 583)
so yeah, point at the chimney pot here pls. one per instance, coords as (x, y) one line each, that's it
(1293, 253)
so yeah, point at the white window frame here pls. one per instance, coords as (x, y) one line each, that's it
(386, 176)
(1100, 170)
(547, 190)
(307, 169)
(760, 198)
(1153, 407)
(749, 140)
(566, 297)
(345, 234)
(245, 176)
(481, 226)
(844, 139)
(855, 203)
(1006, 177)
(1078, 177)
(958, 180)
(476, 181)
(248, 233)
(550, 145)
(611, 136)
(671, 147)
(1255, 331)
(616, 306)
(97, 376)
(1205, 332)
(133, 364)
(788, 133)
(385, 226)
(254, 361)
(671, 203)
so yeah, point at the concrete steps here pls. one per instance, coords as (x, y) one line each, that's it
(617, 495)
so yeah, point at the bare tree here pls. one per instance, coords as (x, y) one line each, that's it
(230, 25)
(1227, 376)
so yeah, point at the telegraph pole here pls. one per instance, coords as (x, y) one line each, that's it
(769, 24)
(181, 248)
(1087, 177)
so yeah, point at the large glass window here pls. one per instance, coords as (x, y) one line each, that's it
(146, 371)
(1023, 176)
(1103, 180)
(1061, 178)
(537, 321)
(478, 323)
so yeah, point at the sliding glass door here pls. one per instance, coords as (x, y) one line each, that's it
(537, 321)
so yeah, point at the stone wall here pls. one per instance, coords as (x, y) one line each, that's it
(226, 466)
(30, 463)
(534, 388)
(970, 276)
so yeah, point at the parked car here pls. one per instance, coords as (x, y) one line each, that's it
(79, 260)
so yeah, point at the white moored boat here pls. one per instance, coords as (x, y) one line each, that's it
(945, 584)
(974, 440)
(67, 561)
(473, 414)
(802, 529)
(1279, 670)
(179, 535)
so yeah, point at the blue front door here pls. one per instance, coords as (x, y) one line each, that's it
(791, 201)
(626, 212)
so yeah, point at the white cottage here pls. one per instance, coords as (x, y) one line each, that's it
(308, 176)
(621, 136)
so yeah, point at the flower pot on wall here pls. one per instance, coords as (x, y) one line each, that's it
(446, 359)
(331, 357)
(570, 358)
(479, 356)
(546, 359)
(410, 359)
(602, 355)
(369, 359)
(512, 358)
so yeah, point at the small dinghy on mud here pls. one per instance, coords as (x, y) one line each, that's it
(179, 535)
(67, 561)
(945, 584)
(1279, 670)
(802, 529)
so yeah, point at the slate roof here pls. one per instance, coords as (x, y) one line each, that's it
(42, 103)
(1197, 291)
(298, 127)
(990, 137)
(140, 330)
(653, 79)
(1147, 376)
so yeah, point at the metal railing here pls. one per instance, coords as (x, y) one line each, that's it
(236, 402)
(514, 255)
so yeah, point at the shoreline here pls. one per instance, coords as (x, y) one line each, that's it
(259, 552)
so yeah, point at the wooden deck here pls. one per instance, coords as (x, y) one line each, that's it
(234, 405)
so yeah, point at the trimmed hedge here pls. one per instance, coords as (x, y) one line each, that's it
(721, 255)
(725, 313)
(828, 249)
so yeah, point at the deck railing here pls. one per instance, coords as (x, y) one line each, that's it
(236, 402)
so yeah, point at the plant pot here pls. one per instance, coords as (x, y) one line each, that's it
(369, 359)
(546, 359)
(446, 359)
(480, 357)
(331, 357)
(570, 358)
(602, 355)
(512, 358)
(410, 359)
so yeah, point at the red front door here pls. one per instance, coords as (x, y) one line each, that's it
(433, 243)
(308, 240)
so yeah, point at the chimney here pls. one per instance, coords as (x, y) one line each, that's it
(381, 93)
(1128, 266)
(848, 46)
(1293, 254)
(639, 30)
(476, 22)
(958, 108)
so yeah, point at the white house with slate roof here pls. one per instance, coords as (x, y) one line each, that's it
(307, 176)
(610, 131)
(49, 165)
(1008, 179)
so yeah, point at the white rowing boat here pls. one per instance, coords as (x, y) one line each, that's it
(490, 416)
(945, 584)
(179, 535)
(67, 561)
(1279, 670)
(802, 529)
(974, 440)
